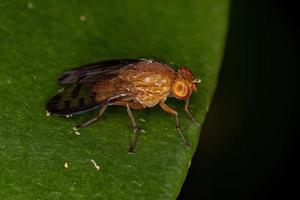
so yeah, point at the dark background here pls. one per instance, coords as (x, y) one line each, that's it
(246, 146)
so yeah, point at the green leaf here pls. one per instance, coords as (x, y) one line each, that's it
(40, 39)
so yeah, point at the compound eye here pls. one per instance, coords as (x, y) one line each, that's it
(180, 89)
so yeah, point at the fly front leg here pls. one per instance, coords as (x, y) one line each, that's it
(134, 129)
(167, 109)
(186, 108)
(86, 123)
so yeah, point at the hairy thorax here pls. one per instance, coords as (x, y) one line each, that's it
(151, 81)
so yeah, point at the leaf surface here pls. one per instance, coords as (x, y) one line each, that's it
(41, 157)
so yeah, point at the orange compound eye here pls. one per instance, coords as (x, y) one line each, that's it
(180, 90)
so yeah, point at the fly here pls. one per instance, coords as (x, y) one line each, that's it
(132, 83)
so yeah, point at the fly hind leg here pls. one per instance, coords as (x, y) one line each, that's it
(167, 109)
(134, 129)
(86, 123)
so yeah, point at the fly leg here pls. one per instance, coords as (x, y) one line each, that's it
(86, 123)
(135, 130)
(166, 108)
(186, 108)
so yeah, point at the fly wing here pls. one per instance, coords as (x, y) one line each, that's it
(79, 95)
(72, 99)
(103, 68)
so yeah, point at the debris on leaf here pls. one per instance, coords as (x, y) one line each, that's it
(66, 165)
(30, 5)
(77, 133)
(142, 131)
(142, 120)
(48, 113)
(82, 18)
(95, 164)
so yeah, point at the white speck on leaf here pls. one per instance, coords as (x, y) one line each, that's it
(76, 130)
(77, 133)
(95, 164)
(142, 120)
(82, 18)
(142, 131)
(48, 113)
(30, 5)
(66, 165)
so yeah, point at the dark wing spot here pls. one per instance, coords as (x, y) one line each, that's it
(93, 95)
(81, 102)
(76, 91)
(67, 104)
(62, 77)
(54, 99)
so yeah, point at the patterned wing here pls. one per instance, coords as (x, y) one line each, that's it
(88, 87)
(72, 99)
(103, 68)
